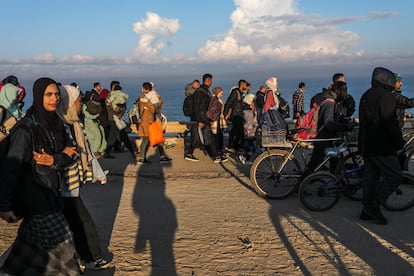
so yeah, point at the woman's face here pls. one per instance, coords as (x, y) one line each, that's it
(78, 105)
(51, 97)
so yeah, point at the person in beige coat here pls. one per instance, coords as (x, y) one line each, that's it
(147, 112)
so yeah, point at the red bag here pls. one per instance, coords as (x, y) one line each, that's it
(155, 133)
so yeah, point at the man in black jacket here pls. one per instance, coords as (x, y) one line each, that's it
(201, 102)
(380, 139)
(330, 124)
(402, 101)
(233, 111)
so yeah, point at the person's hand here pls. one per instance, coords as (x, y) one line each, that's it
(70, 151)
(9, 216)
(43, 158)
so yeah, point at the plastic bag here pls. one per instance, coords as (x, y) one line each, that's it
(155, 133)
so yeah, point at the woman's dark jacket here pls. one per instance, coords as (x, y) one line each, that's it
(20, 191)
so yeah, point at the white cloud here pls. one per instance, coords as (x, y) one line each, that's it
(153, 32)
(264, 30)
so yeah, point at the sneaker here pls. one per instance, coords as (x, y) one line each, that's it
(165, 159)
(191, 157)
(143, 161)
(224, 158)
(373, 211)
(98, 264)
(248, 162)
(220, 159)
(242, 159)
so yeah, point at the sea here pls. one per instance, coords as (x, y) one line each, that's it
(172, 89)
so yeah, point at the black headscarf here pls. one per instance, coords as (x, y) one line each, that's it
(48, 120)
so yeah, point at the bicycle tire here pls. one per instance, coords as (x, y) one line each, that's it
(319, 191)
(351, 181)
(409, 160)
(403, 197)
(265, 179)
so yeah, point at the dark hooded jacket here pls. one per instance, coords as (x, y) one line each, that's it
(330, 120)
(379, 132)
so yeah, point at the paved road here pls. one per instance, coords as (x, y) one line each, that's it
(192, 217)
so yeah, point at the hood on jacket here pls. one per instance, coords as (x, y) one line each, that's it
(384, 77)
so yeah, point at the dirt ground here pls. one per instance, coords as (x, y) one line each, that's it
(181, 224)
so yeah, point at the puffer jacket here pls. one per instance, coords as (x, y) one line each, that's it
(379, 132)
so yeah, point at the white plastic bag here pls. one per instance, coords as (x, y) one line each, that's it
(97, 171)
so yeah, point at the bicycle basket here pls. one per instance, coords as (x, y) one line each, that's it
(274, 138)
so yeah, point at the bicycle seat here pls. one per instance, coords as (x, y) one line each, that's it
(335, 151)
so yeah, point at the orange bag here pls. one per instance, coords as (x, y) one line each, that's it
(155, 133)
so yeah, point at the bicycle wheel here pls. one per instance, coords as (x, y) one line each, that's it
(409, 160)
(266, 178)
(350, 171)
(403, 197)
(319, 191)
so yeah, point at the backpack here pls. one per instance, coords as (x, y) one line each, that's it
(5, 136)
(133, 114)
(284, 108)
(188, 106)
(309, 120)
(214, 109)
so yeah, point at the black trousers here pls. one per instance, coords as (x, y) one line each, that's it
(145, 144)
(86, 237)
(236, 135)
(382, 175)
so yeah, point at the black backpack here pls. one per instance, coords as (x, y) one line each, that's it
(284, 108)
(5, 142)
(188, 109)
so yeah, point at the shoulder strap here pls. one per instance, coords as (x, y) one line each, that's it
(3, 111)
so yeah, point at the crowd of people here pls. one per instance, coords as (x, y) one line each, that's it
(244, 114)
(56, 143)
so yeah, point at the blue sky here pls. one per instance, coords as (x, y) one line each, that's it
(159, 37)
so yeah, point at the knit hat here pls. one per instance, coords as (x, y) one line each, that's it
(397, 77)
(217, 90)
(272, 83)
(249, 98)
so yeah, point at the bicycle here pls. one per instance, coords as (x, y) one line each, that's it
(276, 173)
(320, 191)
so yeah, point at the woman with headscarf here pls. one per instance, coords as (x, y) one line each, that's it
(81, 223)
(10, 111)
(93, 126)
(44, 243)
